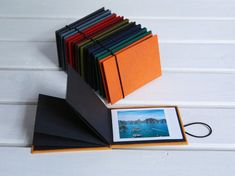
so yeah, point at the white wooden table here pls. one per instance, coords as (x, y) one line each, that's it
(197, 44)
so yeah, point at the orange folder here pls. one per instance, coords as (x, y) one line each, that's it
(133, 67)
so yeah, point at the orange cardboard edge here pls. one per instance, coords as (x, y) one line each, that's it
(181, 122)
(104, 81)
(116, 146)
(33, 151)
(108, 57)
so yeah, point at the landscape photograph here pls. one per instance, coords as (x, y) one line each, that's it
(142, 124)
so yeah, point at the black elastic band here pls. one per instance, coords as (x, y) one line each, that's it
(108, 49)
(199, 123)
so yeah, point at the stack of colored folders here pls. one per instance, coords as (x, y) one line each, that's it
(113, 55)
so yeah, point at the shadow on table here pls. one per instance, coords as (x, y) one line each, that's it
(48, 49)
(28, 123)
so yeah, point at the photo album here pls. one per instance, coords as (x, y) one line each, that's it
(106, 57)
(83, 122)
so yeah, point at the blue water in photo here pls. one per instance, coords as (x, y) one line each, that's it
(142, 123)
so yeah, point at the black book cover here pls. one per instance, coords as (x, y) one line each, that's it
(79, 121)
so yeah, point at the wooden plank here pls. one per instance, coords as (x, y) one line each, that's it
(192, 89)
(17, 123)
(28, 55)
(174, 57)
(19, 161)
(24, 86)
(191, 30)
(197, 57)
(150, 8)
(39, 30)
(212, 31)
(187, 90)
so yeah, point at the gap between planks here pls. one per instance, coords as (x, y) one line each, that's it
(190, 147)
(160, 41)
(129, 17)
(166, 70)
(201, 105)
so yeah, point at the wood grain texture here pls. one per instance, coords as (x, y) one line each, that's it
(16, 124)
(175, 57)
(218, 31)
(198, 57)
(186, 90)
(24, 86)
(192, 89)
(148, 8)
(28, 55)
(19, 161)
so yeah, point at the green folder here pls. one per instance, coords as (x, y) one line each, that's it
(79, 47)
(85, 72)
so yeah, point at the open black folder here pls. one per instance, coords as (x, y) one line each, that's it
(82, 122)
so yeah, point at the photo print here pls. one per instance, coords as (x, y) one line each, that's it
(145, 124)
